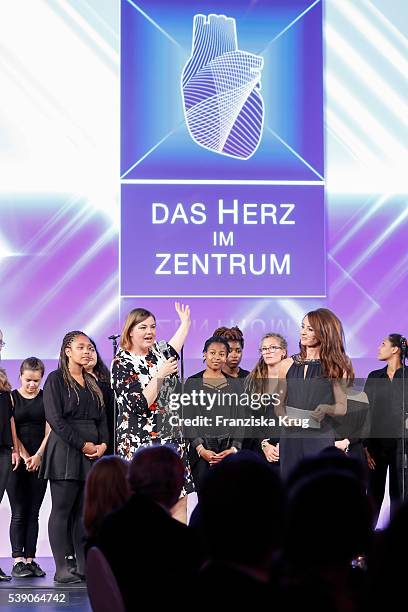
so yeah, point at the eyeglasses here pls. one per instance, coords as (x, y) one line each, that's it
(269, 349)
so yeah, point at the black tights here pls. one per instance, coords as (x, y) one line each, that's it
(5, 469)
(26, 493)
(66, 515)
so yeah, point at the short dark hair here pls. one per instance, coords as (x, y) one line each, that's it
(100, 369)
(33, 363)
(157, 472)
(233, 334)
(242, 486)
(395, 339)
(218, 340)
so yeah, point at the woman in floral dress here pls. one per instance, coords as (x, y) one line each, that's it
(143, 377)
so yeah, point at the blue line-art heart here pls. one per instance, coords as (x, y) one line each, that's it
(220, 85)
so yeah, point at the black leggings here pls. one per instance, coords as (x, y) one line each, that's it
(5, 469)
(26, 493)
(66, 515)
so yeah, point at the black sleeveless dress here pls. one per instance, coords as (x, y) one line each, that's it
(306, 393)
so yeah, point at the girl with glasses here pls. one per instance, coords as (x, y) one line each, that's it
(263, 379)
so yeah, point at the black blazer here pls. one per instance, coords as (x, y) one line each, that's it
(151, 554)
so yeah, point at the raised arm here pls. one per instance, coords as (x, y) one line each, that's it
(129, 391)
(180, 336)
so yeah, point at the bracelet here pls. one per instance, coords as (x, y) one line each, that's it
(199, 450)
(234, 448)
(264, 444)
(40, 455)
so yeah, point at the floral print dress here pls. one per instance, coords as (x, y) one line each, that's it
(137, 423)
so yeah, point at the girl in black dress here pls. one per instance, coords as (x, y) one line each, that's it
(74, 409)
(208, 450)
(9, 451)
(25, 490)
(313, 381)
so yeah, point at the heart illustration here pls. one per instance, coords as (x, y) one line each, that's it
(223, 107)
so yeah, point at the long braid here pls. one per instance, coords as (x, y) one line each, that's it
(69, 380)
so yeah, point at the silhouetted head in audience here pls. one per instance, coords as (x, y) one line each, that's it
(331, 458)
(388, 568)
(242, 508)
(157, 472)
(329, 520)
(106, 489)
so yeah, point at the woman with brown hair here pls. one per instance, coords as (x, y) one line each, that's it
(263, 380)
(143, 377)
(312, 388)
(9, 449)
(106, 489)
(74, 410)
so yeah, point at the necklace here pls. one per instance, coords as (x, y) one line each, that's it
(299, 361)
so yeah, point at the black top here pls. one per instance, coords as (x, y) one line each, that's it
(215, 436)
(6, 412)
(385, 398)
(64, 405)
(308, 392)
(241, 373)
(165, 553)
(29, 417)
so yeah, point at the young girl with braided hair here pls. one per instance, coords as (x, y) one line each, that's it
(75, 412)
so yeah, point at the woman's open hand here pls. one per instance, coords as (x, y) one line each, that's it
(183, 311)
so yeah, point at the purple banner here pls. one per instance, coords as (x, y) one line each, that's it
(223, 240)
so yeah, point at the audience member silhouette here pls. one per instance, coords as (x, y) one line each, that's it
(152, 555)
(106, 489)
(241, 514)
(328, 532)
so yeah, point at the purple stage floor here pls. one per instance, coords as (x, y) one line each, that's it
(41, 593)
